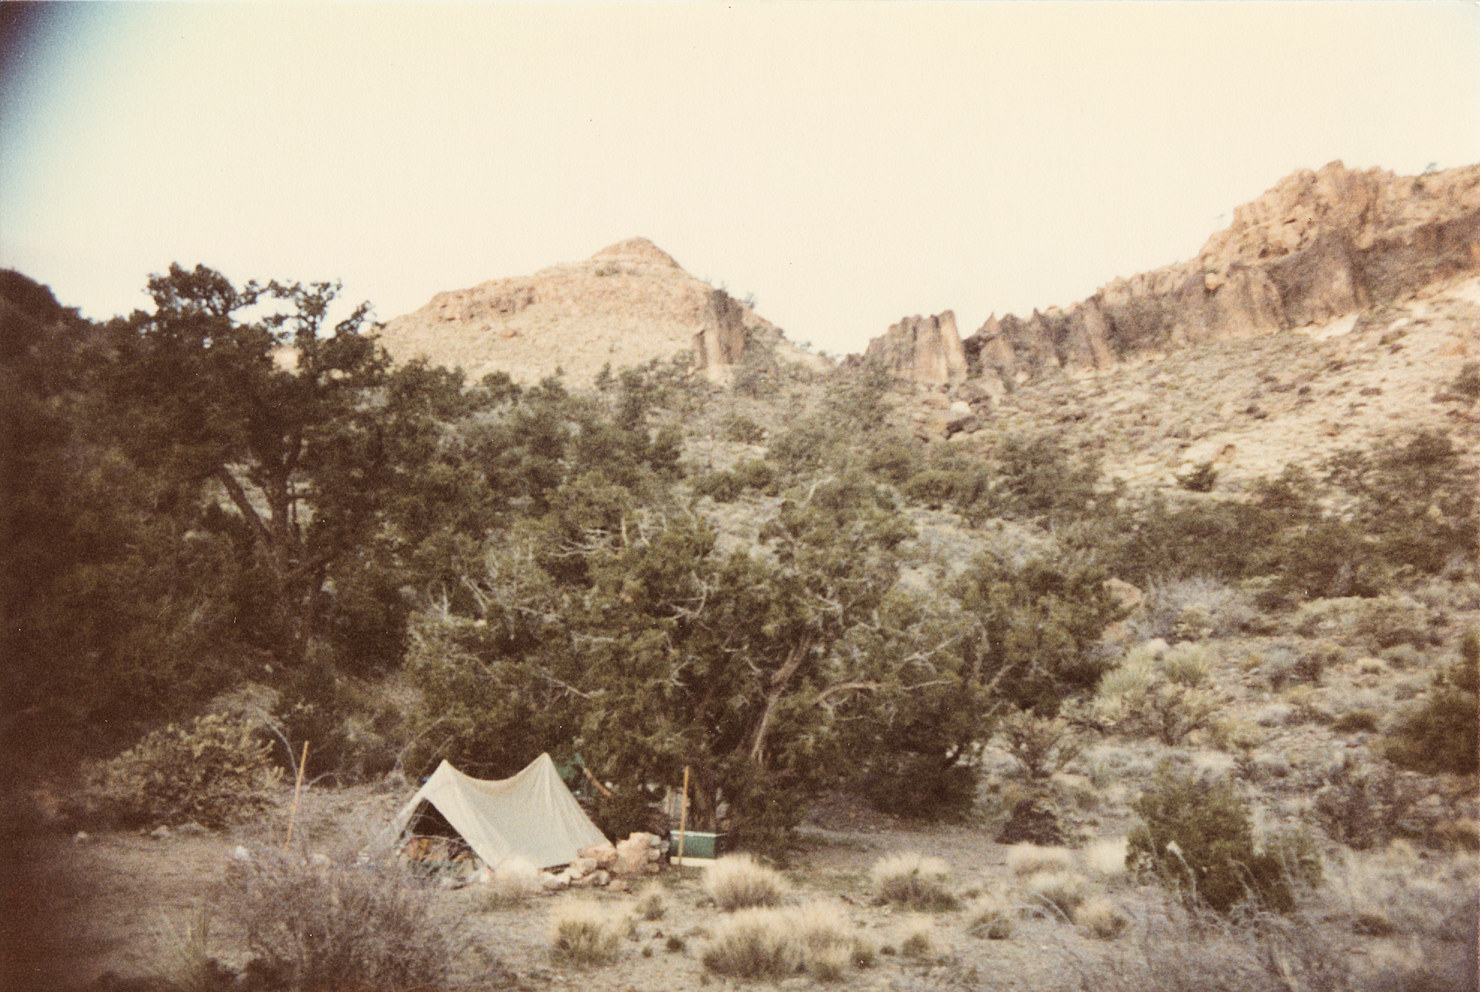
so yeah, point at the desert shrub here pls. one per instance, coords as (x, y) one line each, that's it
(651, 902)
(585, 932)
(1186, 664)
(721, 486)
(1197, 838)
(934, 488)
(912, 880)
(1374, 623)
(738, 881)
(1415, 499)
(1041, 745)
(893, 459)
(756, 474)
(1037, 476)
(740, 428)
(515, 880)
(1443, 733)
(990, 916)
(1141, 698)
(1467, 382)
(1029, 859)
(185, 963)
(214, 771)
(315, 926)
(1199, 479)
(1356, 721)
(919, 939)
(1057, 891)
(775, 943)
(1190, 949)
(1101, 917)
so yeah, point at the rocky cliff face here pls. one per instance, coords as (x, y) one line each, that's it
(1316, 246)
(923, 350)
(626, 305)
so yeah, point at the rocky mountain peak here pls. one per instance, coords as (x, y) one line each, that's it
(637, 250)
(626, 305)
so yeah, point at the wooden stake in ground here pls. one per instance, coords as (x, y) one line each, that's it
(683, 814)
(302, 764)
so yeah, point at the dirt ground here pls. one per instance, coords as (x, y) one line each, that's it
(94, 905)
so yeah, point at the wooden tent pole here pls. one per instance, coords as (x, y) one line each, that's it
(297, 789)
(683, 814)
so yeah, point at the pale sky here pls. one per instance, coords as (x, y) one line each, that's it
(848, 164)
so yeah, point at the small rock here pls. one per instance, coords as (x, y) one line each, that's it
(160, 832)
(191, 829)
(81, 837)
(240, 853)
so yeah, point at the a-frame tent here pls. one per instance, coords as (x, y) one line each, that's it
(532, 814)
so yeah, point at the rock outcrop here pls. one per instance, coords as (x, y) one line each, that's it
(1316, 246)
(626, 305)
(926, 351)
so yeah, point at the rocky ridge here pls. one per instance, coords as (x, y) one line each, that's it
(628, 304)
(1318, 246)
(924, 350)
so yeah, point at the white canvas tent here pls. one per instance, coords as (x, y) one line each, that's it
(532, 814)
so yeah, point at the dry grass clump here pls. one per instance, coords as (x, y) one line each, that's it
(990, 916)
(1060, 892)
(1101, 917)
(1178, 949)
(1026, 859)
(1394, 890)
(185, 962)
(1105, 857)
(514, 881)
(586, 932)
(913, 880)
(738, 881)
(778, 942)
(315, 925)
(652, 903)
(919, 939)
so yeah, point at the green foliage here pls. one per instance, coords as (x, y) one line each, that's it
(1197, 838)
(214, 772)
(1037, 626)
(740, 428)
(1037, 477)
(1199, 479)
(1443, 733)
(726, 486)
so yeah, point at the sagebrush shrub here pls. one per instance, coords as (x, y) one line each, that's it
(1197, 838)
(738, 881)
(1364, 806)
(1443, 733)
(316, 926)
(213, 771)
(913, 880)
(1041, 745)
